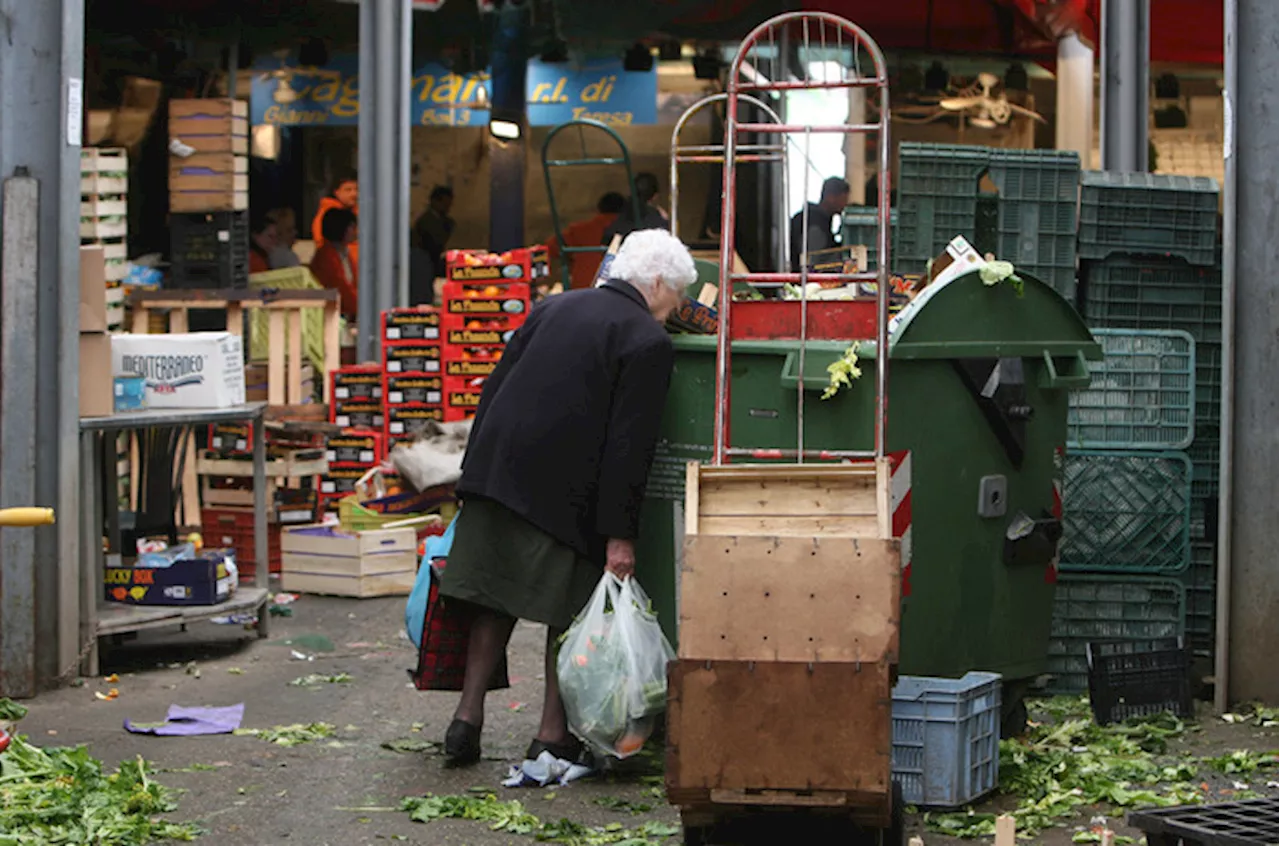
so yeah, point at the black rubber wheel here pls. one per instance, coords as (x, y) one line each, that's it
(1014, 721)
(896, 833)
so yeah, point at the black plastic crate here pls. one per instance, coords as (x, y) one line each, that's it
(1249, 822)
(190, 276)
(1137, 679)
(213, 238)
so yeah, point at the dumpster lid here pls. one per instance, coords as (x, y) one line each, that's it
(967, 318)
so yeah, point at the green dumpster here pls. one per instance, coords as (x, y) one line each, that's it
(978, 396)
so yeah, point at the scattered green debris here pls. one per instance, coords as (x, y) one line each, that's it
(843, 371)
(411, 745)
(511, 817)
(993, 272)
(624, 806)
(10, 711)
(1242, 762)
(235, 671)
(194, 768)
(58, 795)
(1256, 713)
(279, 610)
(317, 679)
(294, 735)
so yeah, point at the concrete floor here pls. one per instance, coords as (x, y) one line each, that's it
(332, 794)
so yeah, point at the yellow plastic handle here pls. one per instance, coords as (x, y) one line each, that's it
(26, 516)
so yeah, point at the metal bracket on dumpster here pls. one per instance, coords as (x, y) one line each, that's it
(1032, 542)
(1075, 377)
(1000, 390)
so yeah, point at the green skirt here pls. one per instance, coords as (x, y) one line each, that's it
(504, 563)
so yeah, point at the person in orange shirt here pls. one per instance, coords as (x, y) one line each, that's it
(587, 233)
(345, 195)
(334, 265)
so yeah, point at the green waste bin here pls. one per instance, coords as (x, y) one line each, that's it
(979, 592)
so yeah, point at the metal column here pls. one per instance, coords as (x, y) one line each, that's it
(385, 80)
(507, 156)
(1073, 124)
(41, 126)
(1247, 533)
(1126, 51)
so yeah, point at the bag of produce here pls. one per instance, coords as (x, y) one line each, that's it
(612, 667)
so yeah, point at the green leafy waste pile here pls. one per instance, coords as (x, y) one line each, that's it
(65, 796)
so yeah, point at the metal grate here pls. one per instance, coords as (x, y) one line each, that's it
(1251, 822)
(1142, 394)
(1126, 512)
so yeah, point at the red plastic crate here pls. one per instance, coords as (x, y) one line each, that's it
(402, 420)
(355, 448)
(467, 298)
(480, 329)
(463, 391)
(357, 382)
(356, 414)
(421, 323)
(456, 415)
(411, 357)
(412, 389)
(233, 528)
(523, 265)
(831, 320)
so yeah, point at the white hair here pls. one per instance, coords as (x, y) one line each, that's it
(649, 256)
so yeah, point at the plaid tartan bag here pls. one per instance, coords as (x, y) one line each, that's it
(446, 631)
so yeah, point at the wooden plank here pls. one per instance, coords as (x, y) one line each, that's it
(275, 358)
(211, 162)
(294, 361)
(789, 599)
(783, 525)
(692, 504)
(118, 618)
(739, 726)
(235, 319)
(280, 468)
(215, 185)
(208, 107)
(1006, 830)
(190, 484)
(226, 143)
(141, 320)
(135, 468)
(784, 499)
(188, 201)
(220, 297)
(884, 508)
(332, 344)
(177, 321)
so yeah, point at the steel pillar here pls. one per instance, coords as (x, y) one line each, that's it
(41, 127)
(385, 80)
(1073, 123)
(507, 156)
(1247, 533)
(1126, 51)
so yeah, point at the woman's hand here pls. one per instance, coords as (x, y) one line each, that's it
(620, 558)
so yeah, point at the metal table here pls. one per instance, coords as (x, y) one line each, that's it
(98, 617)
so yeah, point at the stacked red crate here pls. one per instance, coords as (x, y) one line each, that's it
(357, 406)
(412, 390)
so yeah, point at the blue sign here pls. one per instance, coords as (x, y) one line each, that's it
(289, 95)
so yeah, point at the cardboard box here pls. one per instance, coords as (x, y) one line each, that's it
(406, 419)
(354, 448)
(356, 414)
(96, 383)
(93, 289)
(412, 389)
(192, 370)
(325, 559)
(197, 581)
(411, 357)
(411, 324)
(356, 382)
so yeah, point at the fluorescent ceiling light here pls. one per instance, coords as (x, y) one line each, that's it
(504, 129)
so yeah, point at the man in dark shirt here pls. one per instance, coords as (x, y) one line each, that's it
(651, 217)
(835, 196)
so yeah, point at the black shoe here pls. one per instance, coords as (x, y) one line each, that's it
(570, 749)
(461, 744)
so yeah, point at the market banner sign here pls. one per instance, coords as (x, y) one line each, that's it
(289, 95)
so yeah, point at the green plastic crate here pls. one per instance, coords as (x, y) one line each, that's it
(1126, 512)
(1148, 213)
(1141, 396)
(860, 226)
(1200, 583)
(1133, 292)
(927, 224)
(1093, 608)
(940, 170)
(1208, 383)
(1039, 176)
(1204, 460)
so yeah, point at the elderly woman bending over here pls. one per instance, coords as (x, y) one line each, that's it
(556, 468)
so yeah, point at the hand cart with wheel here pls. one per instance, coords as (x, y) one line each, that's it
(789, 589)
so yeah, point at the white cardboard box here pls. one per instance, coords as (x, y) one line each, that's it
(193, 370)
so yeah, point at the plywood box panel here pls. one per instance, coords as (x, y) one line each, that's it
(789, 599)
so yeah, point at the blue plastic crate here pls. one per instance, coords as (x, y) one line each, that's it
(1095, 608)
(1148, 213)
(1142, 393)
(1126, 512)
(946, 738)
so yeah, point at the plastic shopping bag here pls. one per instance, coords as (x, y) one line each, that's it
(612, 668)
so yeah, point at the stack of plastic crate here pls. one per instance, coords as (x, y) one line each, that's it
(1017, 204)
(1126, 494)
(861, 228)
(1150, 260)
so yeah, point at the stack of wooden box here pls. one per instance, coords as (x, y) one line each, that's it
(104, 218)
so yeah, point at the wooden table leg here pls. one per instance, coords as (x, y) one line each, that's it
(275, 357)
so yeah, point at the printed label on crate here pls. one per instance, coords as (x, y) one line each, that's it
(341, 480)
(362, 448)
(416, 324)
(357, 414)
(470, 367)
(454, 415)
(464, 399)
(413, 389)
(495, 306)
(229, 437)
(405, 420)
(410, 358)
(352, 384)
(480, 336)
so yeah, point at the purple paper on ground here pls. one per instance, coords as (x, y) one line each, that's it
(183, 721)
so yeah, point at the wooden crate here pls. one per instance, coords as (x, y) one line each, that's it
(319, 559)
(818, 599)
(208, 108)
(793, 500)
(782, 734)
(209, 182)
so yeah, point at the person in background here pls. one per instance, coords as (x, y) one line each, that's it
(262, 240)
(345, 195)
(651, 216)
(432, 230)
(334, 265)
(282, 255)
(835, 196)
(555, 471)
(587, 233)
